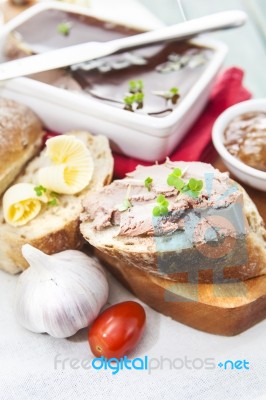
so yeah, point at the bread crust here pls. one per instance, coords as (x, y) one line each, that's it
(20, 139)
(140, 253)
(62, 232)
(65, 238)
(218, 309)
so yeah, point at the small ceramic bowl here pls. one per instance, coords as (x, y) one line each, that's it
(251, 176)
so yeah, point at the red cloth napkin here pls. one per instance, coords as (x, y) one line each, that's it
(197, 146)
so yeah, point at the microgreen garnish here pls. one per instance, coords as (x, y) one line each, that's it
(174, 179)
(174, 90)
(125, 205)
(135, 86)
(192, 188)
(134, 100)
(64, 28)
(148, 183)
(169, 95)
(129, 100)
(162, 207)
(52, 202)
(39, 190)
(53, 199)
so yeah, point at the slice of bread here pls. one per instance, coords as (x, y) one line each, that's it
(245, 257)
(20, 139)
(227, 309)
(55, 228)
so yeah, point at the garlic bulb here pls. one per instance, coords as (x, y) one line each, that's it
(61, 293)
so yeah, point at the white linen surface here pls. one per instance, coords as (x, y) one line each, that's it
(27, 369)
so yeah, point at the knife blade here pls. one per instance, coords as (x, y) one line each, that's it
(92, 50)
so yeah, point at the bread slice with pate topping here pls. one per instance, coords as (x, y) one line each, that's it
(55, 228)
(209, 235)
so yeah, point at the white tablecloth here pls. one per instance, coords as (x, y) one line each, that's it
(27, 368)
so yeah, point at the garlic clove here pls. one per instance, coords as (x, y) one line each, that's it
(61, 293)
(36, 259)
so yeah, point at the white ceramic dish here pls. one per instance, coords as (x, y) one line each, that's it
(138, 135)
(243, 172)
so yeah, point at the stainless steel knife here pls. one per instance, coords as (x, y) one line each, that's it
(92, 50)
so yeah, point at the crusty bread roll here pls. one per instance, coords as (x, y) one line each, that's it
(20, 139)
(177, 249)
(56, 228)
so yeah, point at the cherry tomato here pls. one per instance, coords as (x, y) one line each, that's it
(117, 330)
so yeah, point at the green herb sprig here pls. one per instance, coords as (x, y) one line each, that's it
(175, 95)
(52, 202)
(40, 190)
(64, 28)
(169, 95)
(148, 183)
(174, 179)
(135, 86)
(134, 100)
(126, 204)
(162, 208)
(192, 188)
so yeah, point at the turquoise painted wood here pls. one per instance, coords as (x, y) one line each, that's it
(247, 45)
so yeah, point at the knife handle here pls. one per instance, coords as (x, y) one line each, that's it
(185, 30)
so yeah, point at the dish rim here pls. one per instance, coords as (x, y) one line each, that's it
(220, 126)
(152, 126)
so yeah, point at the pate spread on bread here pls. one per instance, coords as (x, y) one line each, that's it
(216, 235)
